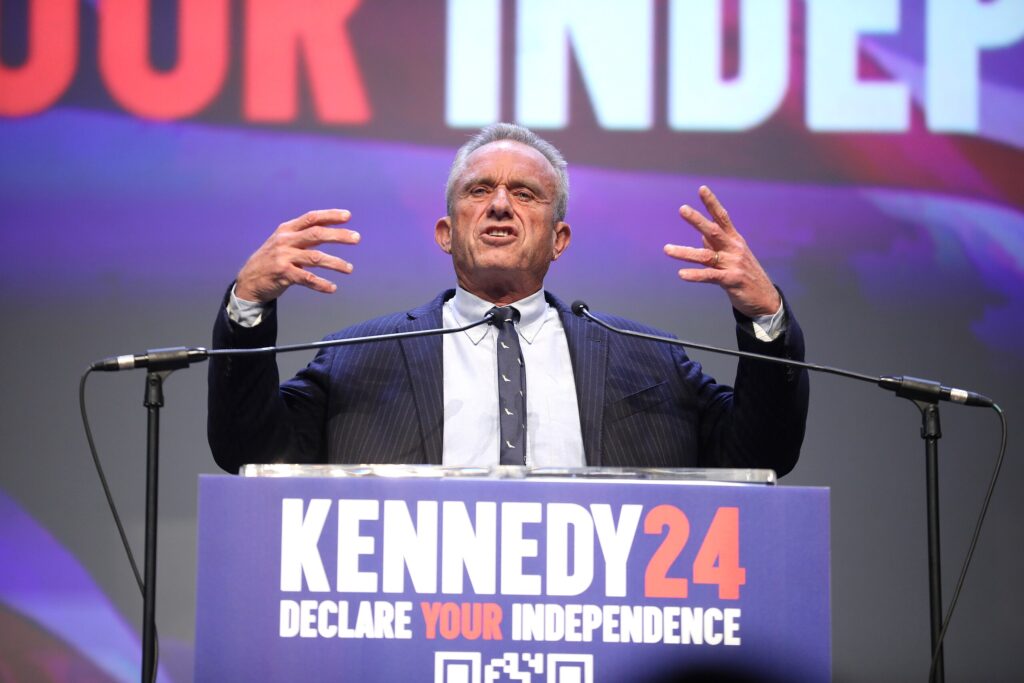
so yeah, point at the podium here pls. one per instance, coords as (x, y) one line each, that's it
(469, 575)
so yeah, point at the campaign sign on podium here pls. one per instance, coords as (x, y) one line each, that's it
(476, 576)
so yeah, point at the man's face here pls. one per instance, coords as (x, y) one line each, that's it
(503, 235)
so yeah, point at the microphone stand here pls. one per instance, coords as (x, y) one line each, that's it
(153, 401)
(160, 363)
(924, 394)
(931, 432)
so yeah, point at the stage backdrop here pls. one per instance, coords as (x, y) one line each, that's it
(869, 151)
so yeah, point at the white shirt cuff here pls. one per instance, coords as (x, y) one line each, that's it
(767, 328)
(245, 313)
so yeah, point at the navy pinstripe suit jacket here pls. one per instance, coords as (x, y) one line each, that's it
(642, 404)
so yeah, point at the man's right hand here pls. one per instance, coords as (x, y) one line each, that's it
(286, 256)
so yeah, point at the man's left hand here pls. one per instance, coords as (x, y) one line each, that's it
(727, 260)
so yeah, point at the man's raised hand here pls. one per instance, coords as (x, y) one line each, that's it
(727, 260)
(285, 258)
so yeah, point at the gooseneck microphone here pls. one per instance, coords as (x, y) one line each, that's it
(905, 387)
(926, 394)
(155, 359)
(158, 361)
(927, 390)
(173, 358)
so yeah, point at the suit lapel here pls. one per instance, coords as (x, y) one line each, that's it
(424, 362)
(588, 349)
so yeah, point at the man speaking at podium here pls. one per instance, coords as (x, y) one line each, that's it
(589, 396)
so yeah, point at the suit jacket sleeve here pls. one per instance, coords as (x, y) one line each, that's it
(250, 417)
(761, 422)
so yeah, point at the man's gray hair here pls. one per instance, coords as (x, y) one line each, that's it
(516, 133)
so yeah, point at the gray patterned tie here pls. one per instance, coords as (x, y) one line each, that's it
(511, 387)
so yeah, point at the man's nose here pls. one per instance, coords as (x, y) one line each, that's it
(501, 203)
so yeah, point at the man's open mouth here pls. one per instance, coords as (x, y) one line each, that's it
(499, 232)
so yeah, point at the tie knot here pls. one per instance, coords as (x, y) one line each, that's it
(503, 314)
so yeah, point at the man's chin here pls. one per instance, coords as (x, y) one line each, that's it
(498, 264)
(500, 277)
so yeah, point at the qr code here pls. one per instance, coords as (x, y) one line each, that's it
(513, 667)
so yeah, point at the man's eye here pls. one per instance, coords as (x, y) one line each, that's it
(478, 191)
(523, 195)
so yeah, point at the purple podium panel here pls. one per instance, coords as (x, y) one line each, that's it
(483, 579)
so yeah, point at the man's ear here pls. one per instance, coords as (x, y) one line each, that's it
(563, 235)
(443, 234)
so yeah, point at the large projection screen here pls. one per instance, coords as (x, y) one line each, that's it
(870, 152)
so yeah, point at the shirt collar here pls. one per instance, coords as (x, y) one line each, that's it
(469, 307)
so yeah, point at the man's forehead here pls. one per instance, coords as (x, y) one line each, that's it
(504, 155)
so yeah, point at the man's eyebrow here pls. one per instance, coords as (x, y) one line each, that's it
(530, 184)
(527, 182)
(477, 180)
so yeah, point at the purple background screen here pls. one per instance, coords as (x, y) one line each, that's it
(901, 251)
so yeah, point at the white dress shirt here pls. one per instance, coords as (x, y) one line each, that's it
(471, 430)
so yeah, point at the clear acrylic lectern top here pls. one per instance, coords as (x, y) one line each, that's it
(689, 475)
